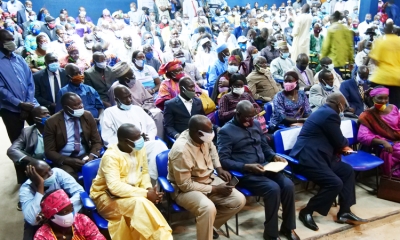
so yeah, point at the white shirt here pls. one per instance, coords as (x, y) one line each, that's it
(14, 7)
(146, 76)
(114, 117)
(51, 81)
(188, 104)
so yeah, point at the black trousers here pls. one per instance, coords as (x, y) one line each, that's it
(13, 123)
(336, 180)
(274, 188)
(29, 231)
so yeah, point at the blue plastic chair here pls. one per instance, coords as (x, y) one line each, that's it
(284, 153)
(269, 109)
(216, 118)
(361, 161)
(165, 185)
(89, 172)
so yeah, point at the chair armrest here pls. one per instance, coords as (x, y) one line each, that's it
(87, 202)
(236, 174)
(288, 158)
(165, 185)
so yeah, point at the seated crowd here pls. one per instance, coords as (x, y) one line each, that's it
(197, 81)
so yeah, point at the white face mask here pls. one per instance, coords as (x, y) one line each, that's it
(77, 113)
(239, 91)
(101, 65)
(330, 67)
(182, 59)
(90, 45)
(207, 137)
(64, 221)
(165, 21)
(255, 55)
(44, 46)
(232, 69)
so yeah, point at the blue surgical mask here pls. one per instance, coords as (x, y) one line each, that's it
(123, 106)
(243, 46)
(149, 55)
(53, 67)
(150, 41)
(44, 120)
(327, 87)
(50, 180)
(139, 144)
(360, 81)
(225, 58)
(285, 55)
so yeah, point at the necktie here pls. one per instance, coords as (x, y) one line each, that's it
(77, 138)
(361, 90)
(56, 86)
(194, 9)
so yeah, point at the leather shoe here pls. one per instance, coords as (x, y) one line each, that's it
(290, 234)
(308, 221)
(350, 218)
(215, 234)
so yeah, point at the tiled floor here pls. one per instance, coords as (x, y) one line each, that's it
(251, 218)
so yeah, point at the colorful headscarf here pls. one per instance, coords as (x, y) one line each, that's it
(170, 66)
(378, 91)
(234, 58)
(54, 203)
(72, 48)
(32, 25)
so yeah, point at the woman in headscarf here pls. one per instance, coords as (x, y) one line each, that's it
(248, 67)
(169, 88)
(221, 86)
(30, 40)
(380, 125)
(59, 222)
(73, 57)
(35, 59)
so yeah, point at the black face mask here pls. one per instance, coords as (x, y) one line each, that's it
(218, 14)
(302, 68)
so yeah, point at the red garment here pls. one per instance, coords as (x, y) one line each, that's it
(54, 203)
(83, 228)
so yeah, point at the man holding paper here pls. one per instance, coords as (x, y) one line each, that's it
(318, 149)
(243, 147)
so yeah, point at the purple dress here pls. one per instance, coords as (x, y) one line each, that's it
(365, 136)
(285, 107)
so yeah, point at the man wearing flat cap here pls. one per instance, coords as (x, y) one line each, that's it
(49, 28)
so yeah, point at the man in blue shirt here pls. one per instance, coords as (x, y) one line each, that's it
(43, 179)
(17, 89)
(220, 66)
(90, 98)
(243, 147)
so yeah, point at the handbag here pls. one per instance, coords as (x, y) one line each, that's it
(208, 103)
(389, 187)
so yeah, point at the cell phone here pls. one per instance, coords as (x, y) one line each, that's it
(233, 181)
(351, 152)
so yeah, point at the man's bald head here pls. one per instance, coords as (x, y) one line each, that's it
(72, 70)
(198, 122)
(363, 72)
(38, 111)
(97, 47)
(244, 106)
(336, 98)
(99, 57)
(126, 131)
(185, 81)
(120, 90)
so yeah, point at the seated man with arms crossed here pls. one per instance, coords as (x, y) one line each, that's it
(125, 112)
(43, 179)
(318, 149)
(70, 136)
(243, 147)
(192, 160)
(123, 193)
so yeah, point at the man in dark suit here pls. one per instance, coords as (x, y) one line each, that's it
(22, 15)
(353, 89)
(100, 77)
(49, 81)
(243, 147)
(49, 28)
(318, 149)
(70, 136)
(29, 145)
(180, 109)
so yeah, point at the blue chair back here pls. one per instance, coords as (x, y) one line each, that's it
(216, 118)
(285, 139)
(162, 163)
(268, 111)
(210, 91)
(350, 131)
(89, 172)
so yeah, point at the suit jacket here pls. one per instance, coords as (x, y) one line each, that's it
(24, 145)
(302, 81)
(51, 33)
(42, 86)
(318, 96)
(350, 91)
(176, 116)
(21, 17)
(94, 79)
(55, 136)
(320, 139)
